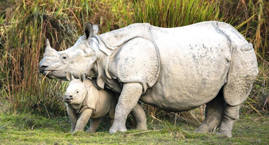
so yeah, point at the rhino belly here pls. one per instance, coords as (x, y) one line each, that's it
(193, 69)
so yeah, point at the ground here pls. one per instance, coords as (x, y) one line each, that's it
(31, 129)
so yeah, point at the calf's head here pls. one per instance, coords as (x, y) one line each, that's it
(76, 90)
(77, 60)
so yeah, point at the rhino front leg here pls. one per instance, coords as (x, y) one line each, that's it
(73, 117)
(128, 99)
(83, 120)
(94, 124)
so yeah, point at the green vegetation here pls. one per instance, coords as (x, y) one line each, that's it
(24, 93)
(29, 129)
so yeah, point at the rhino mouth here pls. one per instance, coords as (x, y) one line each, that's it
(52, 74)
(67, 101)
(48, 73)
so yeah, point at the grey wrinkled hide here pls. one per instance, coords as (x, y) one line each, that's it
(86, 102)
(175, 69)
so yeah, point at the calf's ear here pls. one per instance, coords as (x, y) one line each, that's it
(82, 77)
(69, 77)
(88, 30)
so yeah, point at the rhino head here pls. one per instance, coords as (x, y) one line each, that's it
(76, 60)
(76, 90)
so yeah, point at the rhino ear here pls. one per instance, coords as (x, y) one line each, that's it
(95, 29)
(88, 30)
(69, 76)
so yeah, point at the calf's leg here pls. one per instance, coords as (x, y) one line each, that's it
(94, 124)
(83, 120)
(73, 117)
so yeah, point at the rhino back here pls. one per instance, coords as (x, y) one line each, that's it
(194, 63)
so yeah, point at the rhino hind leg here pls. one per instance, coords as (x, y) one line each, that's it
(242, 74)
(140, 117)
(213, 114)
(94, 124)
(231, 115)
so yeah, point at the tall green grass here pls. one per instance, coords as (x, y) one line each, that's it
(24, 26)
(172, 13)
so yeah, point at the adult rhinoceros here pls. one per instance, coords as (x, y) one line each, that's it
(175, 69)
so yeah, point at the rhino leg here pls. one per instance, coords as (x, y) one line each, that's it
(131, 92)
(73, 117)
(111, 112)
(94, 124)
(242, 74)
(231, 115)
(83, 120)
(213, 114)
(140, 117)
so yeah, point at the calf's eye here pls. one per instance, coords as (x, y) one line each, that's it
(64, 57)
(77, 92)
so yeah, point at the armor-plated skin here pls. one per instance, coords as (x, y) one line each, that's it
(85, 101)
(175, 69)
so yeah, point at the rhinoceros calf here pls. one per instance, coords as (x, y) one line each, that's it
(175, 69)
(86, 102)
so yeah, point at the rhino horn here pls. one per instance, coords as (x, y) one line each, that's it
(88, 30)
(48, 47)
(47, 43)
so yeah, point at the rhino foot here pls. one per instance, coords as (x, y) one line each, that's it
(226, 134)
(141, 126)
(203, 129)
(117, 127)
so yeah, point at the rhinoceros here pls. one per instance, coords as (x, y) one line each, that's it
(60, 61)
(175, 69)
(85, 101)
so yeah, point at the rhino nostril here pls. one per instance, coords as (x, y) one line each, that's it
(68, 96)
(42, 68)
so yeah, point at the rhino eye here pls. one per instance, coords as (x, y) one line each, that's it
(64, 56)
(77, 92)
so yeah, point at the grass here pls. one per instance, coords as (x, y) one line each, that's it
(24, 26)
(32, 129)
